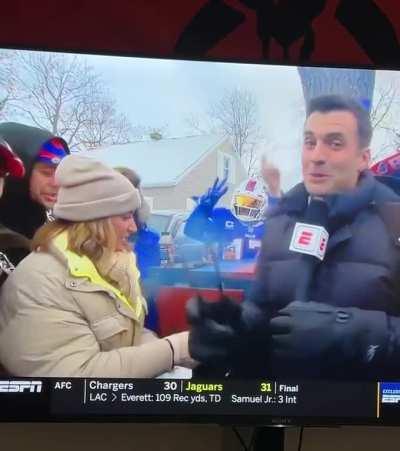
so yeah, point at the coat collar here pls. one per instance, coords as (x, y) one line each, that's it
(343, 206)
(83, 270)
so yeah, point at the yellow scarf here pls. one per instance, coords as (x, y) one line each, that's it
(115, 271)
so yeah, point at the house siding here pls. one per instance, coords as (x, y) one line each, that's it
(196, 181)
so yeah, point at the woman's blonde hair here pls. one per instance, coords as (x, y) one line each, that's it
(84, 238)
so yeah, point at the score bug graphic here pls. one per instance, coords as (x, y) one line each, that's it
(309, 239)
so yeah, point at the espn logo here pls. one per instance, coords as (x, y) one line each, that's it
(309, 239)
(20, 386)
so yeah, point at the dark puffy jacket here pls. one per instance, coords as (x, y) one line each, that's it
(18, 211)
(360, 268)
(13, 248)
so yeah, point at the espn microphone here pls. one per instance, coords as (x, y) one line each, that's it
(310, 238)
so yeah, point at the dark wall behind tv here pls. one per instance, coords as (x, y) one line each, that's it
(361, 32)
(167, 437)
(338, 32)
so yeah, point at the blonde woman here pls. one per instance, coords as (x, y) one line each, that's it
(74, 306)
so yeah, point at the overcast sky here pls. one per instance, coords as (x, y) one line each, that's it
(156, 93)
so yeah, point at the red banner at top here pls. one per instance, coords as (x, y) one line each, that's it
(341, 32)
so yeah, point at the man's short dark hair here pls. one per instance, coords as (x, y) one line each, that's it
(328, 103)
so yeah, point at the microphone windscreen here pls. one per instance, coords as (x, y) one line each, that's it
(317, 212)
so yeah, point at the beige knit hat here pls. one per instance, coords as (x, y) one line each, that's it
(91, 190)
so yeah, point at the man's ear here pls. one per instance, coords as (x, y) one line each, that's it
(366, 159)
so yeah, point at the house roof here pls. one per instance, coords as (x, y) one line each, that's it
(161, 162)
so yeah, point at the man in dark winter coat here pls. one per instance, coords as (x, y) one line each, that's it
(13, 246)
(337, 316)
(27, 204)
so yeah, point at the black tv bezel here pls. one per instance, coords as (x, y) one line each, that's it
(221, 420)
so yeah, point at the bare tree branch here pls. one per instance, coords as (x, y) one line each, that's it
(197, 124)
(236, 114)
(7, 81)
(386, 97)
(65, 95)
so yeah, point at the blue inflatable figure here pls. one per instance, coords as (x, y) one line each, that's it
(238, 230)
(147, 249)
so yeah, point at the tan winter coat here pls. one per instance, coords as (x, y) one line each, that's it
(56, 324)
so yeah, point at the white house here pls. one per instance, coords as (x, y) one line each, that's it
(175, 169)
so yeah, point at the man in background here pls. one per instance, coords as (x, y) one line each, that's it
(13, 246)
(146, 241)
(146, 245)
(27, 203)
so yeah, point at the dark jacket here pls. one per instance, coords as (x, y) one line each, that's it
(13, 248)
(360, 268)
(18, 211)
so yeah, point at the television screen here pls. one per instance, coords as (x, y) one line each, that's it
(211, 240)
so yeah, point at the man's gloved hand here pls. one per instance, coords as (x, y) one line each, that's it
(228, 335)
(214, 332)
(213, 194)
(307, 330)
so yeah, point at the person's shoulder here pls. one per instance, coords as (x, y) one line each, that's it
(39, 279)
(294, 200)
(387, 189)
(386, 203)
(10, 239)
(37, 265)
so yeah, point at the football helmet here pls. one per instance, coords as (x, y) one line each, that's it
(250, 200)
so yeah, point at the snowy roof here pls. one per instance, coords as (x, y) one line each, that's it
(158, 162)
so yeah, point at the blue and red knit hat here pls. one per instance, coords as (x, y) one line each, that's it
(52, 152)
(389, 166)
(387, 171)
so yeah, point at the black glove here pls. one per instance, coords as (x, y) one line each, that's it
(307, 330)
(231, 337)
(214, 332)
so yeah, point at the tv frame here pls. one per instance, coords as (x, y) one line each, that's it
(223, 419)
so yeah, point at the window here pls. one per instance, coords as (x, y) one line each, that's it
(226, 167)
